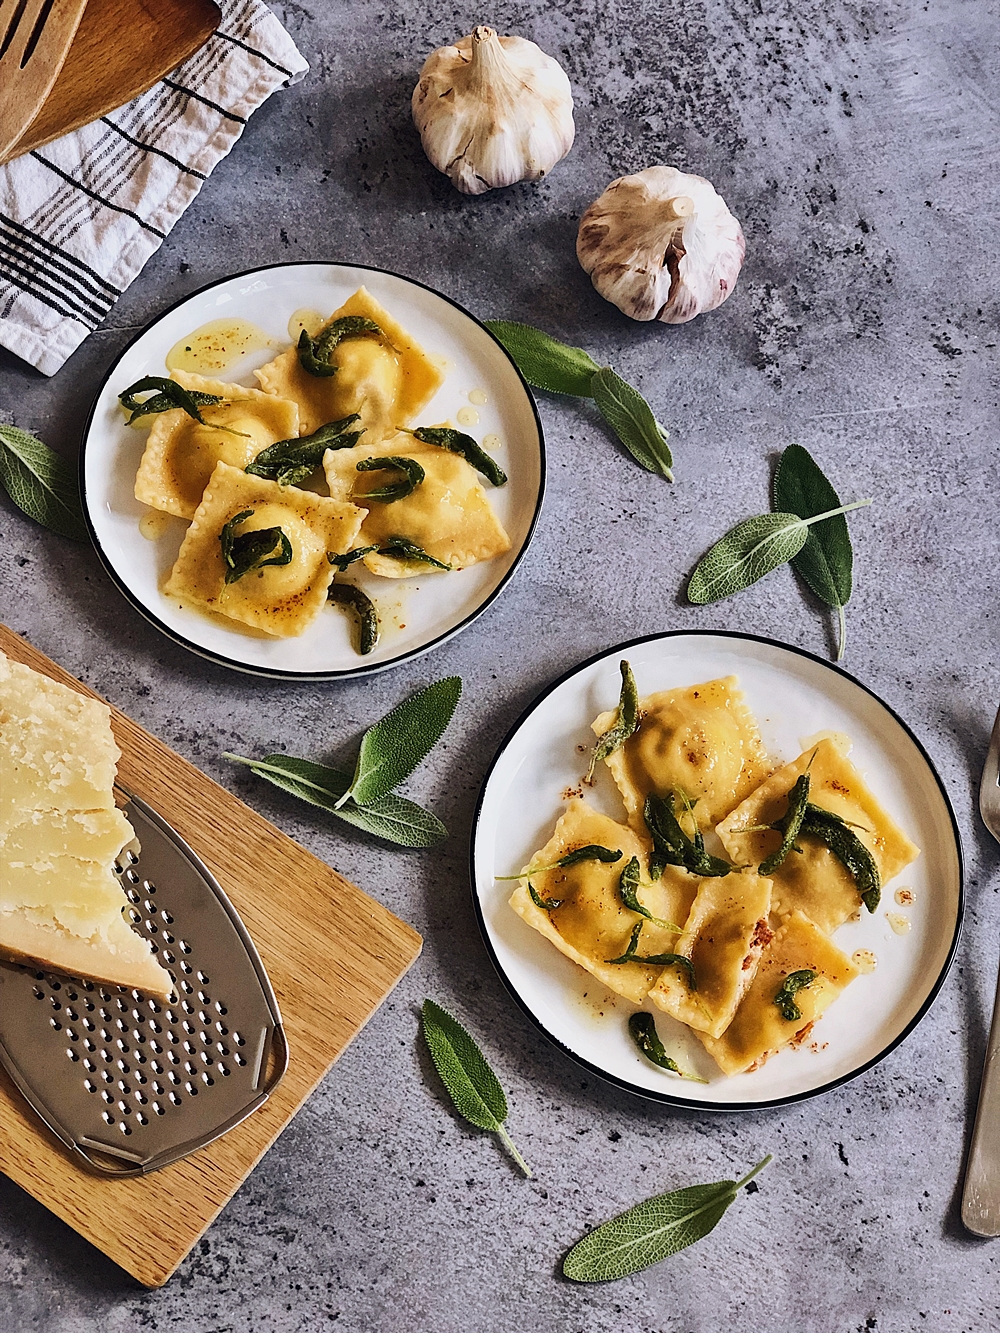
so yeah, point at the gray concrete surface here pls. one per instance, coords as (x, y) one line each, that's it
(857, 144)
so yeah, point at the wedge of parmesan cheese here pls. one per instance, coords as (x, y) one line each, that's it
(61, 904)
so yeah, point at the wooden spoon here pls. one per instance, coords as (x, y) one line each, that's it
(35, 36)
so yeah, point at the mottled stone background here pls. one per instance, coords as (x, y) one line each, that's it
(856, 142)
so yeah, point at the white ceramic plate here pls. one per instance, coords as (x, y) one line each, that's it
(417, 614)
(793, 696)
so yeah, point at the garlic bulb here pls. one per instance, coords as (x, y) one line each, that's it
(493, 110)
(661, 245)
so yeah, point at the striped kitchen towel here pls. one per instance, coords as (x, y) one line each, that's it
(80, 216)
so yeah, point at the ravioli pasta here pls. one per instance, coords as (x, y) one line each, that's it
(713, 951)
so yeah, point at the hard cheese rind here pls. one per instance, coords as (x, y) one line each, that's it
(815, 881)
(701, 740)
(60, 902)
(593, 924)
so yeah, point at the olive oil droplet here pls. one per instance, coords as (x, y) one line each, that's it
(467, 416)
(153, 524)
(899, 923)
(215, 346)
(864, 960)
(492, 442)
(479, 397)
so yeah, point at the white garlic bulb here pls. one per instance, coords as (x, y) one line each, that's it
(661, 245)
(493, 110)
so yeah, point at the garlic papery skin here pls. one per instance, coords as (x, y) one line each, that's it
(492, 111)
(661, 245)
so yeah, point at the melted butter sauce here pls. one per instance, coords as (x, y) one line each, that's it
(216, 346)
(305, 318)
(864, 960)
(154, 524)
(492, 442)
(467, 416)
(899, 923)
(905, 897)
(478, 397)
(840, 739)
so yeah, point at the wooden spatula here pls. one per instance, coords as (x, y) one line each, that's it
(151, 37)
(35, 36)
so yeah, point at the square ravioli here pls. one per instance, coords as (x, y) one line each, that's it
(282, 599)
(387, 380)
(759, 1028)
(448, 514)
(181, 454)
(724, 935)
(592, 924)
(815, 881)
(701, 740)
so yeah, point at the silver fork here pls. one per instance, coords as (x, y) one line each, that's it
(981, 1198)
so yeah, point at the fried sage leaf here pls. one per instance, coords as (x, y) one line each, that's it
(394, 819)
(392, 748)
(642, 1030)
(655, 959)
(244, 552)
(790, 987)
(413, 475)
(631, 418)
(826, 560)
(751, 550)
(457, 443)
(315, 353)
(672, 846)
(848, 848)
(789, 825)
(351, 597)
(628, 891)
(545, 362)
(291, 462)
(546, 904)
(653, 1230)
(624, 727)
(466, 1074)
(401, 548)
(592, 852)
(40, 483)
(166, 394)
(342, 562)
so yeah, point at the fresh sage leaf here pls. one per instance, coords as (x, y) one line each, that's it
(826, 560)
(546, 904)
(392, 748)
(413, 475)
(789, 825)
(466, 1074)
(40, 483)
(655, 959)
(244, 552)
(751, 550)
(457, 443)
(592, 852)
(848, 848)
(642, 1030)
(342, 562)
(628, 887)
(545, 362)
(315, 353)
(401, 548)
(351, 597)
(166, 394)
(631, 418)
(790, 987)
(291, 462)
(624, 726)
(393, 818)
(653, 1230)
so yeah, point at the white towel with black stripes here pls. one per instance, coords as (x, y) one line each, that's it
(80, 216)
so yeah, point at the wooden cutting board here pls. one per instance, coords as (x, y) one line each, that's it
(333, 954)
(121, 48)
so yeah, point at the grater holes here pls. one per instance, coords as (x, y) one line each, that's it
(190, 1047)
(89, 1024)
(90, 1045)
(124, 1087)
(220, 1008)
(107, 1096)
(125, 1129)
(89, 1064)
(174, 1098)
(158, 1109)
(168, 957)
(37, 993)
(54, 1002)
(150, 906)
(54, 985)
(131, 875)
(240, 1060)
(108, 1117)
(105, 1034)
(191, 1088)
(54, 1023)
(187, 988)
(158, 1089)
(168, 920)
(72, 1015)
(73, 1055)
(208, 1080)
(240, 1041)
(140, 1077)
(168, 938)
(186, 967)
(189, 1068)
(141, 1097)
(123, 1066)
(89, 1005)
(183, 946)
(91, 1087)
(156, 1067)
(73, 1036)
(222, 1029)
(143, 1120)
(226, 1071)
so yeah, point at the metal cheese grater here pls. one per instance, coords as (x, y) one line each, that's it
(129, 1083)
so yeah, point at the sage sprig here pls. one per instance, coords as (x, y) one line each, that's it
(353, 599)
(592, 852)
(458, 443)
(642, 1030)
(653, 1230)
(245, 552)
(40, 483)
(466, 1074)
(165, 395)
(291, 462)
(826, 560)
(413, 475)
(389, 753)
(624, 726)
(790, 987)
(556, 367)
(672, 846)
(315, 353)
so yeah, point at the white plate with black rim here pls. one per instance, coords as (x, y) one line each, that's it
(793, 695)
(417, 614)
